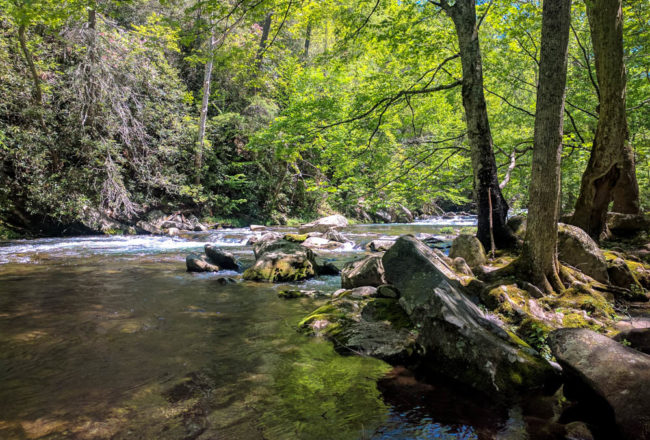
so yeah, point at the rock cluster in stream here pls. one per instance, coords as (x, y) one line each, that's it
(213, 260)
(410, 304)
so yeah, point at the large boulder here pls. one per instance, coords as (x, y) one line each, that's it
(517, 224)
(636, 338)
(368, 271)
(368, 326)
(200, 263)
(618, 374)
(470, 249)
(221, 258)
(283, 260)
(576, 248)
(457, 339)
(403, 214)
(626, 225)
(324, 224)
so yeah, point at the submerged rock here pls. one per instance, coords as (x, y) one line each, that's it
(457, 339)
(200, 263)
(618, 374)
(375, 327)
(283, 260)
(324, 224)
(368, 271)
(221, 258)
(470, 249)
(576, 248)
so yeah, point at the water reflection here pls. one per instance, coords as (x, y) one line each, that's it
(109, 337)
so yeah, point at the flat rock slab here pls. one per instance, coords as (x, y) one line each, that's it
(617, 373)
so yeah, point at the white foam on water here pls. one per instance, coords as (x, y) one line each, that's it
(452, 221)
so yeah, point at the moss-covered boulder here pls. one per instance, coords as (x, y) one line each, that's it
(458, 339)
(375, 327)
(368, 271)
(470, 249)
(283, 260)
(296, 238)
(577, 249)
(617, 374)
(627, 225)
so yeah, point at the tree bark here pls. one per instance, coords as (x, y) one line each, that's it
(307, 40)
(37, 93)
(266, 28)
(463, 14)
(539, 255)
(610, 173)
(207, 75)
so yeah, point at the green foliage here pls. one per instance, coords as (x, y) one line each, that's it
(348, 127)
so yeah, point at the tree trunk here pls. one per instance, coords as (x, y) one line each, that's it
(307, 40)
(266, 28)
(198, 154)
(37, 93)
(610, 173)
(539, 255)
(463, 14)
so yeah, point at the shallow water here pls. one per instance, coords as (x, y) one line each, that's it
(109, 337)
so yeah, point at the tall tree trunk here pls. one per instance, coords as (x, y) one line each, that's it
(207, 75)
(486, 183)
(307, 40)
(610, 173)
(266, 28)
(37, 93)
(539, 255)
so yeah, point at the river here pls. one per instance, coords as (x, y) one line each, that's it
(109, 337)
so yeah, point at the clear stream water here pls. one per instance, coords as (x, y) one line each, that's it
(110, 337)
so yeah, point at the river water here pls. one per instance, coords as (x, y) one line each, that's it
(110, 337)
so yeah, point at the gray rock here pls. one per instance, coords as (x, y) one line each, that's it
(576, 248)
(199, 263)
(620, 275)
(618, 374)
(462, 267)
(470, 249)
(380, 245)
(368, 271)
(324, 224)
(261, 242)
(403, 214)
(517, 224)
(387, 291)
(336, 236)
(256, 228)
(219, 257)
(636, 338)
(382, 216)
(282, 260)
(457, 339)
(626, 225)
(320, 243)
(578, 431)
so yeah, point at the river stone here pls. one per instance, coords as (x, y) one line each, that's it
(324, 224)
(282, 260)
(336, 236)
(261, 242)
(257, 228)
(470, 249)
(636, 338)
(382, 216)
(368, 271)
(576, 248)
(461, 267)
(618, 374)
(224, 260)
(199, 263)
(320, 243)
(456, 337)
(380, 245)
